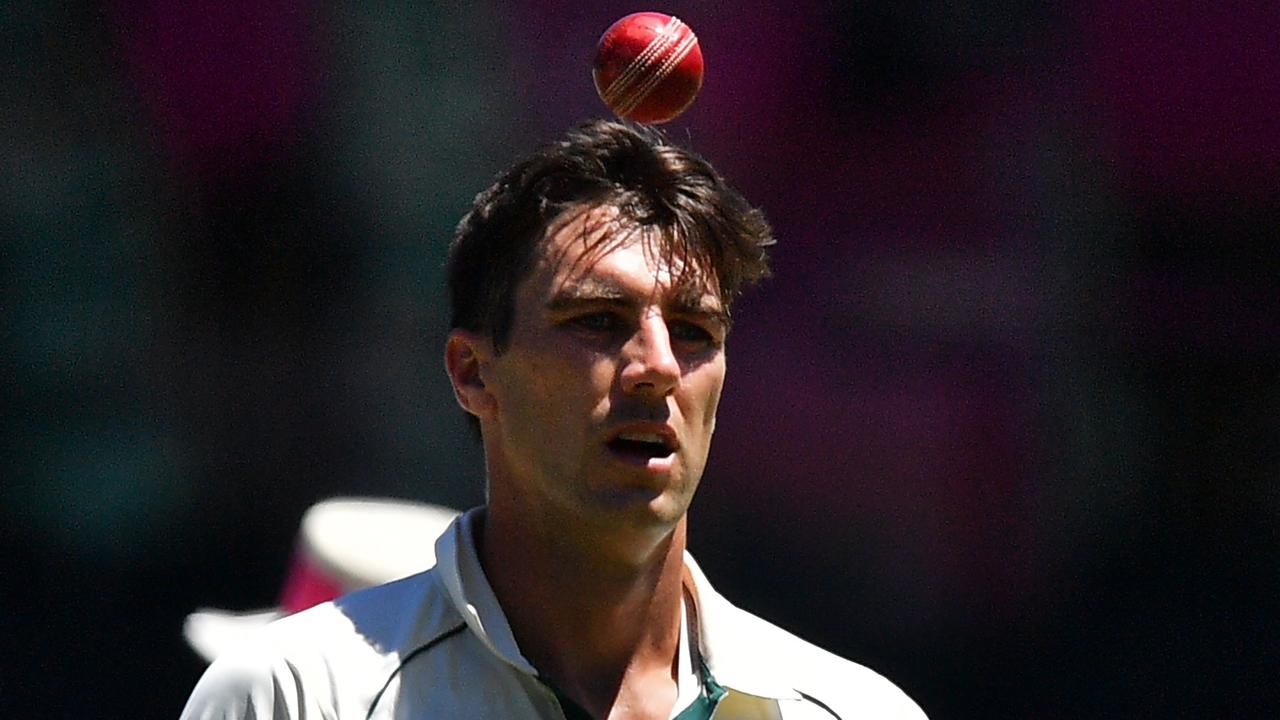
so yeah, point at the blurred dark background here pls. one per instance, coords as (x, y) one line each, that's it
(1003, 426)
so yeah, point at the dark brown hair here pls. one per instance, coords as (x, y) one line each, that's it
(702, 223)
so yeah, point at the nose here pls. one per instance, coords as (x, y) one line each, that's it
(649, 363)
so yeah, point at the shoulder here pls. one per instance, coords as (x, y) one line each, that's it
(841, 687)
(753, 655)
(315, 663)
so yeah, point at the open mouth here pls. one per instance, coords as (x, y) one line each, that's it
(642, 446)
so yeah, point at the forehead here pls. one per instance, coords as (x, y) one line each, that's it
(594, 246)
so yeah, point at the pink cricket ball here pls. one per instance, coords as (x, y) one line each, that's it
(648, 67)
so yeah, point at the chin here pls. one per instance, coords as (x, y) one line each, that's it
(666, 511)
(641, 509)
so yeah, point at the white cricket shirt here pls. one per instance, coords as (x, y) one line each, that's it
(437, 645)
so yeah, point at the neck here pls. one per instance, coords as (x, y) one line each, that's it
(598, 615)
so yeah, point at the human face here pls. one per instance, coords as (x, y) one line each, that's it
(604, 399)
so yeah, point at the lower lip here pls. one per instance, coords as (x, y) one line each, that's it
(652, 464)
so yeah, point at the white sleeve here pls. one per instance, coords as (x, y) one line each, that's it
(245, 686)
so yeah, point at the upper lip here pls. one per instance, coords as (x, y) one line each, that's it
(652, 431)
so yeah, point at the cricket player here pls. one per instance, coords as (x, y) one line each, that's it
(591, 289)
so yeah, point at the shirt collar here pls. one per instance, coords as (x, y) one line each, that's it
(735, 645)
(733, 653)
(459, 566)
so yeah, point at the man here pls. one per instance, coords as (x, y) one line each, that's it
(591, 287)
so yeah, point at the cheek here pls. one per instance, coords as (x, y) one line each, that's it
(602, 374)
(553, 387)
(705, 387)
(713, 402)
(518, 386)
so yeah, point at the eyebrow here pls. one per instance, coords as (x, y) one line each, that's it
(687, 300)
(586, 290)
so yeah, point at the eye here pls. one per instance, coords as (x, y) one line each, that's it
(690, 332)
(597, 322)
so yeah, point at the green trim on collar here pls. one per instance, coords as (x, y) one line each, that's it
(705, 705)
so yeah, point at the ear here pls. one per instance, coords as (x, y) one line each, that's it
(466, 359)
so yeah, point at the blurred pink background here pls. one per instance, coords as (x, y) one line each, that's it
(1002, 426)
